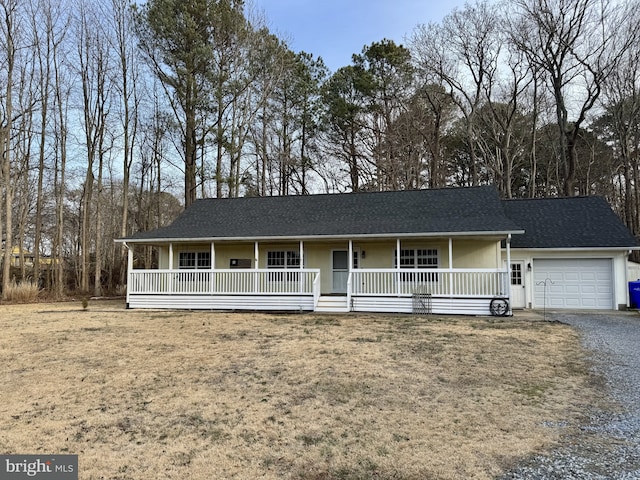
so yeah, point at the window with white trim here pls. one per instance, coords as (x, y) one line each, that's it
(418, 258)
(194, 260)
(283, 260)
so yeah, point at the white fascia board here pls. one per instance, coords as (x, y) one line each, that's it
(368, 236)
(574, 249)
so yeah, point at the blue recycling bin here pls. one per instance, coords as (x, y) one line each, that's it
(634, 294)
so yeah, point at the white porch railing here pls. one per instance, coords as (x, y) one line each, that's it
(212, 282)
(437, 282)
(371, 282)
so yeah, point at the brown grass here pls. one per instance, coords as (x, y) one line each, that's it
(23, 292)
(201, 395)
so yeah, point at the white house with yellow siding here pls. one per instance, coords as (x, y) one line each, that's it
(436, 251)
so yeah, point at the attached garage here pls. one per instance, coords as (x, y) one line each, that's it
(577, 246)
(576, 283)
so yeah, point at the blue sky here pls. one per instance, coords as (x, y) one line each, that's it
(336, 29)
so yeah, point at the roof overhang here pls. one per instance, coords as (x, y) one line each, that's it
(576, 249)
(370, 236)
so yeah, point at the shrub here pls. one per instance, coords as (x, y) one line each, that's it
(23, 292)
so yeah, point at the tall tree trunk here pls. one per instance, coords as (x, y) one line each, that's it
(8, 12)
(58, 259)
(97, 285)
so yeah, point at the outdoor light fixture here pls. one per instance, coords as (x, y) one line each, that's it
(529, 266)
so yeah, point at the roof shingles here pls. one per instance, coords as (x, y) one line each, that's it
(450, 210)
(571, 222)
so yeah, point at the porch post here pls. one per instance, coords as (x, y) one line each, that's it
(450, 266)
(212, 283)
(170, 267)
(256, 259)
(398, 267)
(349, 278)
(129, 269)
(301, 282)
(508, 280)
(301, 254)
(129, 258)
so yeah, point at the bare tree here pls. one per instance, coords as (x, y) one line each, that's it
(127, 86)
(23, 123)
(462, 54)
(620, 125)
(430, 113)
(62, 93)
(9, 30)
(93, 57)
(503, 123)
(575, 43)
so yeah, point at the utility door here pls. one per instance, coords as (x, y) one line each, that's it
(517, 285)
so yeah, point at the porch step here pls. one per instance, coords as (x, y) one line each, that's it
(332, 304)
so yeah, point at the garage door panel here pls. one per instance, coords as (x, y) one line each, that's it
(603, 289)
(583, 277)
(573, 283)
(585, 289)
(572, 289)
(556, 303)
(556, 276)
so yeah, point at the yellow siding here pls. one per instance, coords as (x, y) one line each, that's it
(476, 254)
(225, 252)
(372, 254)
(163, 258)
(319, 255)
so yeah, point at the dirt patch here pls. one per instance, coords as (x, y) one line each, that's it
(156, 394)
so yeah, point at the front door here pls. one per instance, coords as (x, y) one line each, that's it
(340, 268)
(517, 285)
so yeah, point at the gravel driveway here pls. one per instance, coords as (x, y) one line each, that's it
(608, 447)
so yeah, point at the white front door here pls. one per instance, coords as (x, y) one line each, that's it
(340, 268)
(517, 285)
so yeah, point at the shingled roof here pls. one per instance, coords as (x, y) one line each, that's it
(572, 222)
(449, 211)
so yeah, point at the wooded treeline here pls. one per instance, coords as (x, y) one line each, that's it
(114, 117)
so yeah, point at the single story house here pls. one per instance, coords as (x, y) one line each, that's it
(452, 250)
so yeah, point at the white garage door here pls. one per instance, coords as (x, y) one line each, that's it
(573, 283)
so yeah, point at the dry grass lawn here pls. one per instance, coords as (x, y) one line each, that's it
(201, 395)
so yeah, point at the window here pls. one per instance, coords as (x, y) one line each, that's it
(418, 258)
(283, 260)
(194, 260)
(516, 274)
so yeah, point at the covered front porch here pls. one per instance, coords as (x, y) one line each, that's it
(338, 276)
